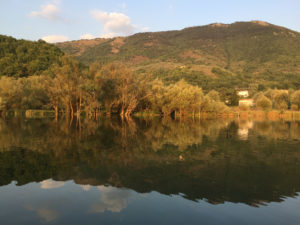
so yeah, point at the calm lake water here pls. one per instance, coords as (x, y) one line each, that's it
(149, 172)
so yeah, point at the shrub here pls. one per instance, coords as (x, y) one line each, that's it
(294, 107)
(263, 103)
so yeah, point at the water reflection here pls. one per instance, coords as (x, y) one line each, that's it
(50, 184)
(45, 214)
(112, 199)
(251, 162)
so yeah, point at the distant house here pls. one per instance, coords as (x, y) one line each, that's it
(247, 102)
(243, 94)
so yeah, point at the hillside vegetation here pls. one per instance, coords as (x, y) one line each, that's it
(253, 55)
(21, 58)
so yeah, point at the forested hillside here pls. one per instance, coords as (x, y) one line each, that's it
(253, 55)
(21, 58)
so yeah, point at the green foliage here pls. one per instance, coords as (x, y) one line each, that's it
(263, 103)
(295, 99)
(20, 58)
(180, 97)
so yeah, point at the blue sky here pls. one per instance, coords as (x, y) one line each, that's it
(61, 20)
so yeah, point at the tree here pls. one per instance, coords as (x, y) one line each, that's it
(69, 76)
(233, 98)
(281, 100)
(263, 103)
(54, 87)
(295, 98)
(213, 95)
(10, 93)
(157, 97)
(107, 80)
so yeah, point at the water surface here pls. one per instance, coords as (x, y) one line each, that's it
(149, 172)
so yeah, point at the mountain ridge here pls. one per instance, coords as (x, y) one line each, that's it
(243, 52)
(256, 55)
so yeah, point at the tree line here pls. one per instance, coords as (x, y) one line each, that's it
(277, 99)
(69, 88)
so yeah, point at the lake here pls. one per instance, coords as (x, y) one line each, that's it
(155, 171)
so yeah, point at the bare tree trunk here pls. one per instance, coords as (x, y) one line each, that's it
(72, 110)
(67, 110)
(80, 100)
(122, 111)
(130, 108)
(77, 110)
(108, 109)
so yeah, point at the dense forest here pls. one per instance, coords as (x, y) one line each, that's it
(21, 58)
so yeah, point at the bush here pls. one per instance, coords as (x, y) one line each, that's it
(283, 106)
(294, 107)
(263, 103)
(295, 98)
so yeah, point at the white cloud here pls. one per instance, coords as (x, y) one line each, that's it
(86, 187)
(50, 12)
(145, 29)
(87, 36)
(109, 35)
(45, 213)
(55, 38)
(116, 24)
(49, 184)
(112, 199)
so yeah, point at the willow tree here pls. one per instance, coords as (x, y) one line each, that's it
(197, 98)
(139, 90)
(69, 76)
(263, 103)
(90, 96)
(55, 92)
(295, 99)
(107, 79)
(9, 93)
(121, 88)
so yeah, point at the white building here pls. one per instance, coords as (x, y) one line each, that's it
(243, 94)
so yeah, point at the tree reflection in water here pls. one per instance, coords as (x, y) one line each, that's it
(251, 162)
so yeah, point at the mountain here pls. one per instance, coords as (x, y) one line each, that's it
(22, 58)
(252, 54)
